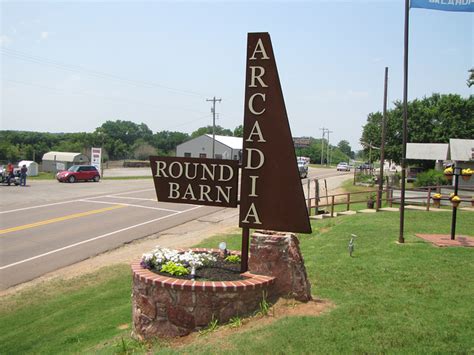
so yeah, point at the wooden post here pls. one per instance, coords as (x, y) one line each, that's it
(332, 206)
(244, 257)
(428, 199)
(391, 197)
(348, 202)
(316, 195)
(308, 185)
(377, 200)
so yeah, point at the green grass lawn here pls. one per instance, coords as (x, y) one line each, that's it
(389, 298)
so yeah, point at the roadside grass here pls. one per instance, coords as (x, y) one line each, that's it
(411, 298)
(43, 176)
(51, 176)
(67, 316)
(126, 177)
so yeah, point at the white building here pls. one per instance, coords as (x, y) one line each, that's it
(226, 147)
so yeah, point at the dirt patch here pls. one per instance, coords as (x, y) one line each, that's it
(282, 309)
(444, 240)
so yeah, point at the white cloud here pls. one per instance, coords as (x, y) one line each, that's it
(5, 40)
(44, 35)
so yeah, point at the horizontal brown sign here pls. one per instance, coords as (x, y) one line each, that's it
(210, 182)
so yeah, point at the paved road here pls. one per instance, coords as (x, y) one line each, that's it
(48, 225)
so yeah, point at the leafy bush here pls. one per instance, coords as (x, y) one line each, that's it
(174, 269)
(234, 259)
(430, 178)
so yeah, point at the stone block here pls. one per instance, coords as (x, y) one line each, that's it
(278, 254)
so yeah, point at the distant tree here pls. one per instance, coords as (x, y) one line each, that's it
(433, 119)
(239, 131)
(208, 130)
(345, 147)
(167, 141)
(142, 150)
(470, 81)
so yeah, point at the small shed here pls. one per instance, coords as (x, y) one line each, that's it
(55, 161)
(32, 166)
(226, 147)
(461, 152)
(428, 151)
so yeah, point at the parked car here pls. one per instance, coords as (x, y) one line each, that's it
(343, 166)
(79, 172)
(365, 166)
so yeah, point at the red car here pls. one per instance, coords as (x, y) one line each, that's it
(79, 172)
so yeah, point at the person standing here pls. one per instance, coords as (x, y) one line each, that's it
(9, 172)
(23, 172)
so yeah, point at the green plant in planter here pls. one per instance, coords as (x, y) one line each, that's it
(174, 269)
(371, 200)
(234, 259)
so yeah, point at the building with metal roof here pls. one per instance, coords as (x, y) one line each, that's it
(226, 147)
(55, 161)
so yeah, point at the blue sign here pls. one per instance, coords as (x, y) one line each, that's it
(444, 5)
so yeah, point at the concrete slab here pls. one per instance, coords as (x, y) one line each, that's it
(413, 207)
(346, 213)
(389, 209)
(368, 210)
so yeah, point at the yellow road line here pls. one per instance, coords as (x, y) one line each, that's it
(59, 219)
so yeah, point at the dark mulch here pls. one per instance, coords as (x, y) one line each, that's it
(444, 240)
(221, 270)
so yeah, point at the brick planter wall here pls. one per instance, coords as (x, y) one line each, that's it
(165, 306)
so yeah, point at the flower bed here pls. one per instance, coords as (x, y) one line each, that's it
(169, 306)
(198, 266)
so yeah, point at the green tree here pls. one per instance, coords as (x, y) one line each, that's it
(166, 141)
(433, 119)
(239, 131)
(208, 130)
(345, 148)
(470, 81)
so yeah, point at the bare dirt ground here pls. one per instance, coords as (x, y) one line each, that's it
(183, 236)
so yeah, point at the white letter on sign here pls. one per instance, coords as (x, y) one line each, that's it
(253, 76)
(174, 193)
(251, 103)
(249, 158)
(256, 127)
(160, 167)
(252, 213)
(259, 48)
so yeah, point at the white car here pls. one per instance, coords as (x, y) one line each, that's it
(343, 167)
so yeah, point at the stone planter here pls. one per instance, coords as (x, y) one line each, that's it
(466, 177)
(448, 177)
(166, 306)
(455, 203)
(437, 202)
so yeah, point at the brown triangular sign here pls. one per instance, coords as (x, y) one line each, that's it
(271, 192)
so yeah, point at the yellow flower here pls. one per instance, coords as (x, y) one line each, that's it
(467, 171)
(455, 198)
(437, 196)
(448, 171)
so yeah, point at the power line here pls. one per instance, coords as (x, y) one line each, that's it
(110, 98)
(213, 110)
(79, 69)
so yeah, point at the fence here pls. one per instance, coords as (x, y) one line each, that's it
(391, 195)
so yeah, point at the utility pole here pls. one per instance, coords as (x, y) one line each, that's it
(213, 110)
(322, 145)
(329, 147)
(382, 145)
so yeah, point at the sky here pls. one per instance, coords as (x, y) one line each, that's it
(69, 66)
